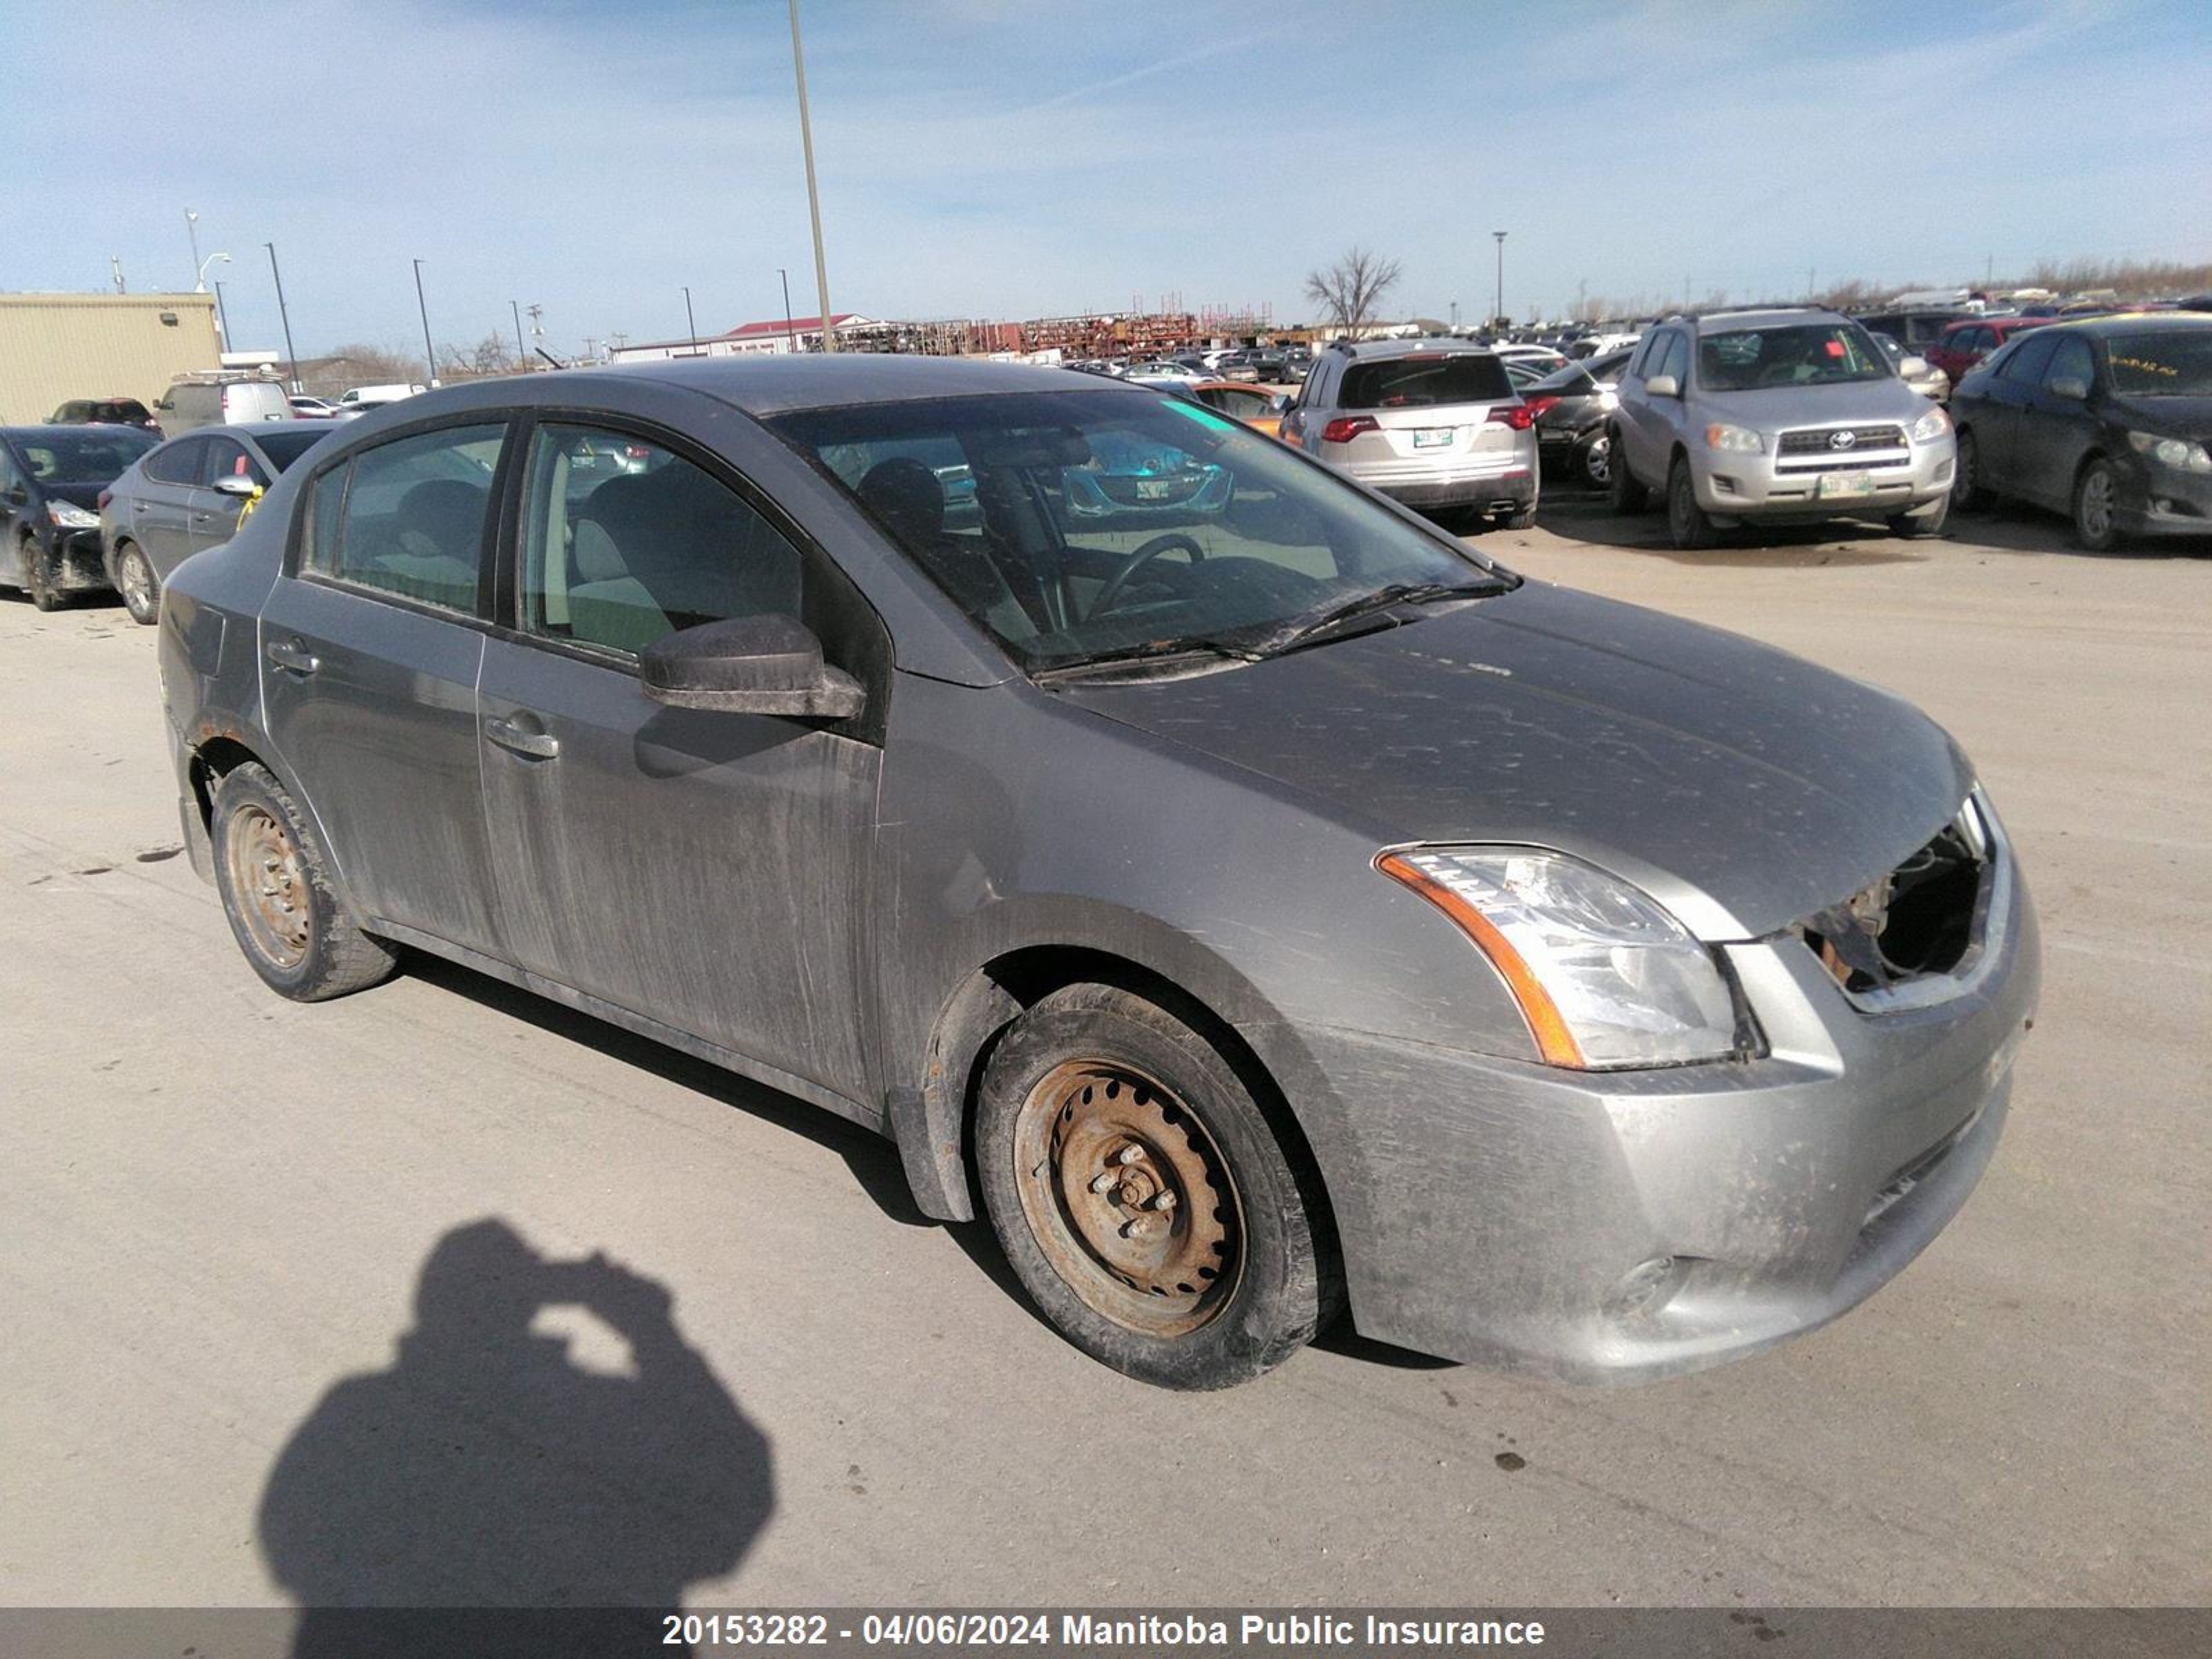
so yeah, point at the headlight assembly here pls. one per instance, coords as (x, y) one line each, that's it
(2176, 452)
(1930, 427)
(1604, 977)
(1734, 439)
(65, 515)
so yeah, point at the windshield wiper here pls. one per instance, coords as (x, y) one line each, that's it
(1151, 651)
(1301, 629)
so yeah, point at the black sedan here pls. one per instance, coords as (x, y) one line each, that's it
(51, 479)
(2108, 419)
(1571, 405)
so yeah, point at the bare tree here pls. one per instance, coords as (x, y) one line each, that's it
(493, 354)
(1351, 291)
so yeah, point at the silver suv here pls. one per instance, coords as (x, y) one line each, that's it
(1779, 416)
(1433, 423)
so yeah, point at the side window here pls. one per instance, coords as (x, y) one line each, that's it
(226, 457)
(1674, 355)
(2028, 362)
(625, 543)
(177, 463)
(2071, 362)
(408, 517)
(11, 474)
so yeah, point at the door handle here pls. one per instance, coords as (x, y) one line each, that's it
(511, 734)
(293, 657)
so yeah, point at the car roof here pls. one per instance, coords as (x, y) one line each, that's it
(1718, 322)
(779, 383)
(2120, 322)
(1368, 352)
(55, 429)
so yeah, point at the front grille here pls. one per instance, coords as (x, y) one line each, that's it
(1855, 463)
(1820, 442)
(1919, 921)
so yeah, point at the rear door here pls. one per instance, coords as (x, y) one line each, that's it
(708, 872)
(371, 643)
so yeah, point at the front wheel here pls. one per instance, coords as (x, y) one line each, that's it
(140, 588)
(276, 889)
(39, 578)
(1593, 459)
(1140, 1195)
(1918, 526)
(1687, 523)
(2096, 508)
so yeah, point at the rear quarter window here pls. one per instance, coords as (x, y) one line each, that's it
(1426, 380)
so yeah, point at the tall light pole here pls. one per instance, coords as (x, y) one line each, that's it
(813, 197)
(422, 306)
(291, 357)
(221, 316)
(521, 351)
(790, 328)
(1500, 312)
(691, 321)
(193, 230)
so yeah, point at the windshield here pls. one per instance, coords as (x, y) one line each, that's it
(1808, 354)
(282, 448)
(1426, 379)
(87, 458)
(1077, 524)
(2175, 363)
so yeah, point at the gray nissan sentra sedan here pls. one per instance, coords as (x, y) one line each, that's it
(1258, 903)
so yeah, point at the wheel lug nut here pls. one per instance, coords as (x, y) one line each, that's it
(1102, 1182)
(1164, 1201)
(1130, 1154)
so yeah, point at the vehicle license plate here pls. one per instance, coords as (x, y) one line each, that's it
(1844, 485)
(1154, 490)
(1435, 437)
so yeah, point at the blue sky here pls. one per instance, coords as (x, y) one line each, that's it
(986, 159)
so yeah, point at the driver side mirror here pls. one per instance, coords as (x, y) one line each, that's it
(1913, 368)
(232, 483)
(2068, 386)
(1663, 385)
(768, 664)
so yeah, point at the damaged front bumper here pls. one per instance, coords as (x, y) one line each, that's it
(1635, 1224)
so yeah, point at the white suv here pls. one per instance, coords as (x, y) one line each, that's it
(1434, 423)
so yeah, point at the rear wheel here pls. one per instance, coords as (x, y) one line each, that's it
(1687, 523)
(136, 581)
(1523, 519)
(1140, 1195)
(1968, 493)
(276, 889)
(2096, 508)
(1623, 492)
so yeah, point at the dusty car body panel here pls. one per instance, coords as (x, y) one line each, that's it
(851, 913)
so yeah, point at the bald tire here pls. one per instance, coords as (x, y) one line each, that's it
(339, 958)
(1284, 1291)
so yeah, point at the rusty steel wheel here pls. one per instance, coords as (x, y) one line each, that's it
(266, 874)
(277, 894)
(1142, 1192)
(1130, 1198)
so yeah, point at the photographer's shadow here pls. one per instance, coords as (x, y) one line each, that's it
(488, 1468)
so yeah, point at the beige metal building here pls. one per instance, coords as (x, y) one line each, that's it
(54, 347)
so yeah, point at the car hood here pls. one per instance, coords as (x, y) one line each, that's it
(1743, 787)
(1772, 409)
(2176, 417)
(86, 495)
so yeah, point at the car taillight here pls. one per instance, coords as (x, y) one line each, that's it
(1344, 428)
(105, 496)
(1519, 416)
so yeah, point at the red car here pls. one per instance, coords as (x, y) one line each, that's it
(1966, 342)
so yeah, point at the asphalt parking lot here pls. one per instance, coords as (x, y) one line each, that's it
(215, 1205)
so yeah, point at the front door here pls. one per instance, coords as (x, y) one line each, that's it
(2056, 429)
(371, 645)
(708, 872)
(214, 514)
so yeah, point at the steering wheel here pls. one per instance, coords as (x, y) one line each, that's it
(1136, 561)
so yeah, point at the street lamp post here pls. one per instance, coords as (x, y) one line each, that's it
(521, 351)
(813, 197)
(204, 263)
(692, 322)
(790, 328)
(291, 357)
(193, 230)
(1500, 312)
(422, 306)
